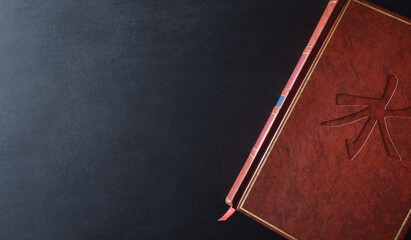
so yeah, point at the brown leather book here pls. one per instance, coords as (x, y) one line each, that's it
(334, 159)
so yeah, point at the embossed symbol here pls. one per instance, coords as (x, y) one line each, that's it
(376, 113)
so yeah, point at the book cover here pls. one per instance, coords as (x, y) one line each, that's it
(334, 159)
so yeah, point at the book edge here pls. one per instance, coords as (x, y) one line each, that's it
(340, 12)
(235, 193)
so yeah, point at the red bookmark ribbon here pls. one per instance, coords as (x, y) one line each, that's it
(228, 214)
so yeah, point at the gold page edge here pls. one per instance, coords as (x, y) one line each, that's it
(381, 11)
(403, 225)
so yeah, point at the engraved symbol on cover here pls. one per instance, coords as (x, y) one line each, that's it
(376, 113)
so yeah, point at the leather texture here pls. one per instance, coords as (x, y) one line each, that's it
(340, 167)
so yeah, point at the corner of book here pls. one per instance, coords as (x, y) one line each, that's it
(228, 201)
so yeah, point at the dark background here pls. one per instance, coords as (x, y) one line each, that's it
(132, 119)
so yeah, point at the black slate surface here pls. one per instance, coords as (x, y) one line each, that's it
(131, 119)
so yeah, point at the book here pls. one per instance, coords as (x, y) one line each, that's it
(334, 158)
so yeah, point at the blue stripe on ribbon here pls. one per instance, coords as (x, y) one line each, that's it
(280, 101)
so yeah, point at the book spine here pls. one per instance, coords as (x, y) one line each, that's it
(234, 192)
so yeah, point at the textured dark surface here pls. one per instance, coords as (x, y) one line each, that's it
(131, 120)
